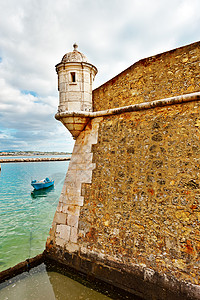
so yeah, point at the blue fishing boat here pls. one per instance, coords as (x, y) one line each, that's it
(42, 184)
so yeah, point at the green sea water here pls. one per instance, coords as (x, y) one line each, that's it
(25, 220)
(26, 216)
(42, 284)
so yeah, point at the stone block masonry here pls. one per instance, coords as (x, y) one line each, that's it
(143, 204)
(65, 231)
(129, 212)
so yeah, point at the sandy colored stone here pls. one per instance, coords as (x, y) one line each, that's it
(74, 235)
(60, 218)
(141, 203)
(161, 76)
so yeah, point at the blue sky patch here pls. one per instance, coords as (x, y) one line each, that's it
(26, 92)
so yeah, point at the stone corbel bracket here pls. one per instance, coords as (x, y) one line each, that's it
(75, 124)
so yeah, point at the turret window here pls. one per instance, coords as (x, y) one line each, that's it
(73, 77)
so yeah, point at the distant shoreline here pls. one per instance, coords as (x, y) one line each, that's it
(31, 159)
(31, 153)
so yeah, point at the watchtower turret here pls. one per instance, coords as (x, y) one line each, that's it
(75, 77)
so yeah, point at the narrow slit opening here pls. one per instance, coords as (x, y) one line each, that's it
(73, 76)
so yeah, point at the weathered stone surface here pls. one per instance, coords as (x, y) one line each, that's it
(143, 203)
(60, 218)
(139, 199)
(74, 235)
(164, 75)
(72, 220)
(141, 282)
(66, 219)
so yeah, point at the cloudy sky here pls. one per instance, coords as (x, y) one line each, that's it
(113, 34)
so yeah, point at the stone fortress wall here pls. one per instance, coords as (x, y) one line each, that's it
(168, 74)
(129, 212)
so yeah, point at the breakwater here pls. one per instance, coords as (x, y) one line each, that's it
(31, 159)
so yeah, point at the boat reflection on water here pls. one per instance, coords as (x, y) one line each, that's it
(42, 192)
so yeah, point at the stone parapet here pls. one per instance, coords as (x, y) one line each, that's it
(165, 75)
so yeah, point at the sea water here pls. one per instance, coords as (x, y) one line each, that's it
(25, 220)
(26, 216)
(43, 284)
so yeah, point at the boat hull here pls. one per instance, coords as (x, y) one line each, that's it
(42, 185)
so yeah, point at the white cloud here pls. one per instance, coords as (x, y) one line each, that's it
(34, 35)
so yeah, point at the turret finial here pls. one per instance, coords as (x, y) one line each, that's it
(75, 46)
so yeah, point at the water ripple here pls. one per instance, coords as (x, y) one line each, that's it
(26, 217)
